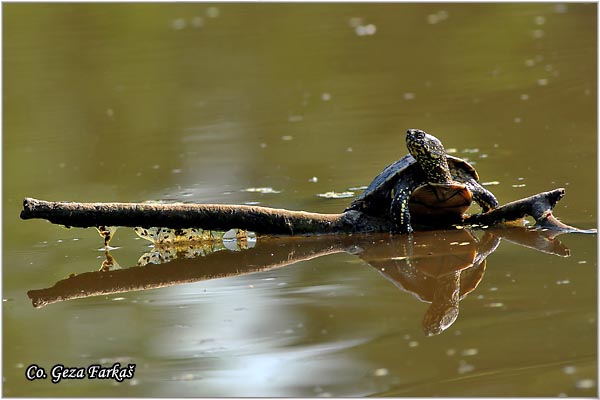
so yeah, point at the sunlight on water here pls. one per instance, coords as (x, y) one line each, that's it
(296, 106)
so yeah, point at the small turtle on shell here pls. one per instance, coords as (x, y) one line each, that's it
(427, 186)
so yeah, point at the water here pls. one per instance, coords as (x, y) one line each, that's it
(200, 102)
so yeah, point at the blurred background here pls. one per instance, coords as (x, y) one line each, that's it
(195, 102)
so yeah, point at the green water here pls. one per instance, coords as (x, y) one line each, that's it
(195, 102)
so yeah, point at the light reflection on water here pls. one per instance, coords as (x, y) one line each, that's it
(312, 334)
(184, 103)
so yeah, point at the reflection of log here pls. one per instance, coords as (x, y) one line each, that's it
(541, 240)
(269, 255)
(376, 249)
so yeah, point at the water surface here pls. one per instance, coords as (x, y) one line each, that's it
(197, 102)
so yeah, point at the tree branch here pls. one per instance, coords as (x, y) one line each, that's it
(265, 220)
(538, 206)
(218, 217)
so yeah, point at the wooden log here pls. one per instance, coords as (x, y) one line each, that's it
(265, 220)
(538, 206)
(217, 217)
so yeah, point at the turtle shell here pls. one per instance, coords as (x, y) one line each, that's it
(430, 203)
(377, 198)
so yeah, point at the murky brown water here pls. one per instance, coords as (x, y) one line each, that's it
(196, 102)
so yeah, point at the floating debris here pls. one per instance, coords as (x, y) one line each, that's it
(560, 8)
(263, 190)
(213, 12)
(326, 97)
(381, 372)
(314, 179)
(365, 30)
(157, 256)
(360, 28)
(439, 16)
(172, 236)
(109, 263)
(452, 150)
(542, 82)
(197, 22)
(537, 33)
(336, 195)
(569, 370)
(409, 96)
(358, 188)
(107, 232)
(170, 244)
(178, 24)
(355, 21)
(490, 183)
(519, 185)
(465, 367)
(163, 236)
(585, 384)
(469, 352)
(238, 239)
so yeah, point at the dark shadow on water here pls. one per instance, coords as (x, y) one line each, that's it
(437, 267)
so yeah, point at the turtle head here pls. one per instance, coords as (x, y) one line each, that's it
(430, 154)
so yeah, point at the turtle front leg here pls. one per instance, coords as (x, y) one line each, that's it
(399, 212)
(486, 200)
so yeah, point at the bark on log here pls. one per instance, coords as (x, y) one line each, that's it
(265, 220)
(217, 217)
(538, 206)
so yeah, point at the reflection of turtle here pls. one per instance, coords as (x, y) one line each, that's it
(427, 184)
(438, 268)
